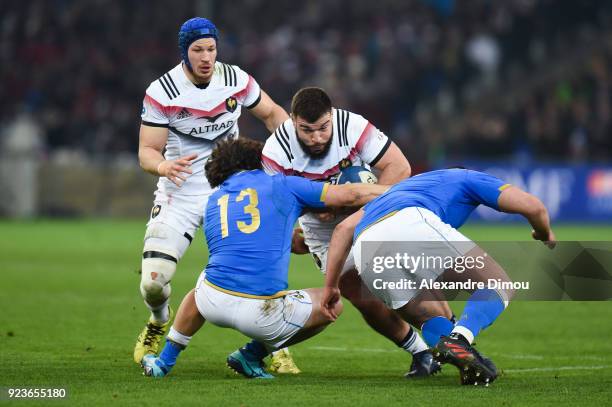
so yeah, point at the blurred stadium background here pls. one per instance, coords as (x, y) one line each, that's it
(518, 87)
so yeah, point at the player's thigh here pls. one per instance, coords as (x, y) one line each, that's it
(271, 321)
(483, 270)
(173, 223)
(319, 256)
(317, 235)
(274, 321)
(413, 232)
(215, 306)
(353, 289)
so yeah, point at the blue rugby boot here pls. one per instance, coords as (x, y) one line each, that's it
(247, 365)
(154, 366)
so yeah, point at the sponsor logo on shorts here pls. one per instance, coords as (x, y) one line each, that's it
(297, 294)
(155, 211)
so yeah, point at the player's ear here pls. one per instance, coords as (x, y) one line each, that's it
(293, 120)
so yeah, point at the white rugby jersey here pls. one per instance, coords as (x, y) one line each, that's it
(355, 141)
(197, 117)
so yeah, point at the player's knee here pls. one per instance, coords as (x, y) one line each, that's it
(153, 292)
(320, 318)
(338, 308)
(158, 268)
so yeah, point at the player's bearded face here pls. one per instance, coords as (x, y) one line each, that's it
(202, 55)
(314, 138)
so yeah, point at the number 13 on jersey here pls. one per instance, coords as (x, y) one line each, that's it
(250, 209)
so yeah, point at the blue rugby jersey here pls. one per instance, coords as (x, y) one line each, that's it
(451, 194)
(248, 226)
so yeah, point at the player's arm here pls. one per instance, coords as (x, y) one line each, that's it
(352, 194)
(515, 200)
(313, 194)
(298, 244)
(339, 248)
(393, 166)
(271, 114)
(152, 142)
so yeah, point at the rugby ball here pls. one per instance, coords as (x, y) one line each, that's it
(356, 175)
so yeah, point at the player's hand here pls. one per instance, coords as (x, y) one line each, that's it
(331, 296)
(175, 170)
(327, 216)
(298, 245)
(548, 238)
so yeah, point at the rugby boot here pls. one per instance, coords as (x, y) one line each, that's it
(473, 368)
(149, 339)
(247, 365)
(282, 362)
(153, 366)
(423, 365)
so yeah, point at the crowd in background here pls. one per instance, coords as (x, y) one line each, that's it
(80, 69)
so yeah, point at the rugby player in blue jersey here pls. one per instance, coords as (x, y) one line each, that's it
(249, 223)
(427, 210)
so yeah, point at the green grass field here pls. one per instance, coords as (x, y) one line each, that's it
(71, 311)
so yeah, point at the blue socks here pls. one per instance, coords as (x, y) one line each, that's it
(482, 309)
(170, 353)
(256, 349)
(435, 328)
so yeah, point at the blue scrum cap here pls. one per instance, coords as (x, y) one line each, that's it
(192, 30)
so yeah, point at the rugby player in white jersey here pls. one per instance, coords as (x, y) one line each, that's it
(317, 142)
(185, 111)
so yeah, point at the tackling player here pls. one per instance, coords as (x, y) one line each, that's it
(429, 208)
(248, 226)
(317, 142)
(185, 111)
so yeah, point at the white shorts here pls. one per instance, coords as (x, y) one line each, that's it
(317, 236)
(183, 214)
(272, 321)
(432, 239)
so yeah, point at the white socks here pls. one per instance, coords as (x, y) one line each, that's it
(463, 331)
(177, 337)
(161, 313)
(413, 342)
